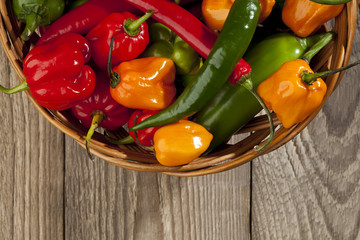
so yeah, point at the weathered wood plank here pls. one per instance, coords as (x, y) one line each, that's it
(309, 189)
(31, 167)
(107, 202)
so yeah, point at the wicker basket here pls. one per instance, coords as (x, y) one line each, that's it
(332, 56)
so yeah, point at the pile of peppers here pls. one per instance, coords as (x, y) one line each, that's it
(182, 76)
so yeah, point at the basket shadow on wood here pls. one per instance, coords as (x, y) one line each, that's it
(333, 56)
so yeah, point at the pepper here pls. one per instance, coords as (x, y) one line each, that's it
(233, 106)
(215, 12)
(85, 17)
(295, 91)
(165, 43)
(56, 74)
(100, 109)
(190, 29)
(75, 4)
(228, 49)
(143, 83)
(36, 13)
(304, 17)
(180, 143)
(130, 38)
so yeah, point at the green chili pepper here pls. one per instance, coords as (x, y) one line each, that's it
(165, 43)
(228, 49)
(234, 106)
(75, 4)
(36, 13)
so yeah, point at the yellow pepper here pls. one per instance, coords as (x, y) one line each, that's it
(304, 17)
(145, 83)
(215, 12)
(180, 143)
(289, 96)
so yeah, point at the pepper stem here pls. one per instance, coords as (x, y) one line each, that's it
(132, 27)
(151, 149)
(320, 44)
(248, 85)
(32, 22)
(310, 78)
(19, 88)
(126, 140)
(114, 76)
(97, 118)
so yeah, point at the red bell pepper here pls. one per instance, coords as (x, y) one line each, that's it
(56, 74)
(189, 28)
(100, 109)
(130, 34)
(84, 18)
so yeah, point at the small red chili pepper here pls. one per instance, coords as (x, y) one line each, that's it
(100, 109)
(145, 136)
(56, 74)
(130, 34)
(189, 28)
(84, 18)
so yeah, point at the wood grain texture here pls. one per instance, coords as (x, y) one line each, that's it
(31, 168)
(107, 202)
(309, 189)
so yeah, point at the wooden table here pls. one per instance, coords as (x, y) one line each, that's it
(307, 189)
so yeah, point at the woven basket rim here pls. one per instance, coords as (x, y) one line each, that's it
(130, 157)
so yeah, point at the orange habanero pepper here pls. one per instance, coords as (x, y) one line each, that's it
(144, 83)
(180, 143)
(289, 96)
(215, 12)
(304, 17)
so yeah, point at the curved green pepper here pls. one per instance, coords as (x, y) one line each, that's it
(228, 49)
(234, 106)
(36, 13)
(165, 43)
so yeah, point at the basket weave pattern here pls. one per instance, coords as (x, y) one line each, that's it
(333, 56)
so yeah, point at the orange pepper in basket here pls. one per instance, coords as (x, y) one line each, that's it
(289, 96)
(180, 143)
(144, 83)
(215, 12)
(304, 17)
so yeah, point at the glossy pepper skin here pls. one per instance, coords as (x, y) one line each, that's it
(215, 12)
(189, 28)
(234, 106)
(145, 83)
(304, 17)
(164, 43)
(56, 72)
(114, 115)
(85, 17)
(36, 13)
(289, 96)
(227, 51)
(145, 136)
(128, 44)
(180, 143)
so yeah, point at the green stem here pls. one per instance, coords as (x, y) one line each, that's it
(97, 117)
(316, 47)
(248, 85)
(151, 149)
(32, 22)
(114, 76)
(331, 2)
(126, 140)
(309, 78)
(132, 27)
(19, 88)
